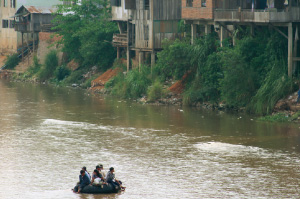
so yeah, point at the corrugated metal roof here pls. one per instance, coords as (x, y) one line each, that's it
(40, 10)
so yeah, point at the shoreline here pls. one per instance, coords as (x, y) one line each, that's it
(283, 116)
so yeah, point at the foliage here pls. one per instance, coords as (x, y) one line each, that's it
(87, 33)
(276, 86)
(12, 61)
(132, 85)
(76, 77)
(51, 62)
(61, 72)
(174, 60)
(155, 91)
(278, 117)
(281, 117)
(35, 68)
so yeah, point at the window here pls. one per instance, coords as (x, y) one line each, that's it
(189, 3)
(4, 23)
(203, 3)
(116, 3)
(146, 4)
(146, 32)
(5, 3)
(11, 24)
(13, 3)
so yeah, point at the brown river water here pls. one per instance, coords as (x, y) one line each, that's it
(47, 134)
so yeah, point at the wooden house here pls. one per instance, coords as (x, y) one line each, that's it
(10, 40)
(198, 13)
(144, 24)
(277, 14)
(32, 19)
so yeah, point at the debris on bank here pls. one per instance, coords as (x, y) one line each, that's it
(6, 74)
(288, 104)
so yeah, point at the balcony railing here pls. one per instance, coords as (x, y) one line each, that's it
(253, 15)
(120, 40)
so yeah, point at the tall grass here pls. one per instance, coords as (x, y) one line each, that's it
(276, 86)
(132, 85)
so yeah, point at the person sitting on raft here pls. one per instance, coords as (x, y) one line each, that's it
(101, 170)
(96, 179)
(86, 172)
(110, 178)
(83, 181)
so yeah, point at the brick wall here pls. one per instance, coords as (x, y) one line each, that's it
(197, 11)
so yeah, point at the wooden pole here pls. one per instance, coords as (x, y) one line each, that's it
(118, 52)
(141, 60)
(295, 49)
(128, 44)
(22, 46)
(33, 43)
(290, 50)
(152, 60)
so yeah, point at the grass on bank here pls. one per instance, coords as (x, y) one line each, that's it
(280, 117)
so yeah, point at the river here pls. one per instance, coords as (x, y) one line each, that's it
(47, 134)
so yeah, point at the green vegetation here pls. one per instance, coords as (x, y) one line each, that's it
(87, 33)
(51, 63)
(281, 117)
(12, 61)
(156, 91)
(132, 85)
(61, 72)
(252, 74)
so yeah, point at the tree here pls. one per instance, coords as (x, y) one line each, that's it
(87, 32)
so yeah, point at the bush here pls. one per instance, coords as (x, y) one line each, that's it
(76, 77)
(51, 62)
(155, 91)
(61, 72)
(132, 85)
(12, 61)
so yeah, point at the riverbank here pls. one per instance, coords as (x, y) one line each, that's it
(286, 110)
(249, 76)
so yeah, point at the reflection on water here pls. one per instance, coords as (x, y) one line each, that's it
(47, 134)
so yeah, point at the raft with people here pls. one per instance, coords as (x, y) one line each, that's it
(99, 182)
(92, 189)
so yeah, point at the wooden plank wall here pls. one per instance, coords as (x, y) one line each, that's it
(167, 9)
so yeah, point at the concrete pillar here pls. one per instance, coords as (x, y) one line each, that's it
(207, 29)
(290, 49)
(222, 35)
(193, 33)
(118, 52)
(141, 59)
